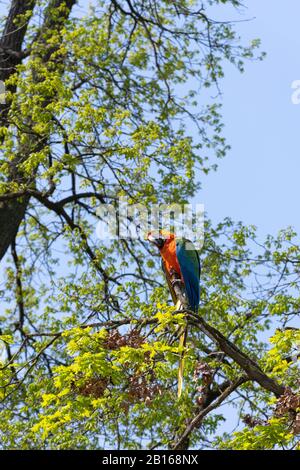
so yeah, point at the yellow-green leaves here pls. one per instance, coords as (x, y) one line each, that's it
(282, 358)
(166, 317)
(273, 434)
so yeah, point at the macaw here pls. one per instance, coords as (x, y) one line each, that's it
(179, 258)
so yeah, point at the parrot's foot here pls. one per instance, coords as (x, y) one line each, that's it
(175, 278)
(176, 281)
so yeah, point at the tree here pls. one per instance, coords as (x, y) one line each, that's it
(100, 104)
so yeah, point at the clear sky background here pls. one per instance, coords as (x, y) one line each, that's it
(258, 181)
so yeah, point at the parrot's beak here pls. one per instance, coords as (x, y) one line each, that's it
(156, 240)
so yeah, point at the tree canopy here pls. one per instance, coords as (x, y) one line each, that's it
(110, 101)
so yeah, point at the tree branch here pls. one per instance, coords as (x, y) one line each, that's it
(199, 417)
(12, 211)
(252, 369)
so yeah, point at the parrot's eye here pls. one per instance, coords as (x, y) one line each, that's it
(160, 242)
(156, 240)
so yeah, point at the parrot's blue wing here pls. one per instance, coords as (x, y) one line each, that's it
(189, 263)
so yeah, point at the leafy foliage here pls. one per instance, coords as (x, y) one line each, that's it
(107, 103)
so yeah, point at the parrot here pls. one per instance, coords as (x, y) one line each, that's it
(180, 259)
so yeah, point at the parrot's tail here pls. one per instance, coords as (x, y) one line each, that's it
(182, 343)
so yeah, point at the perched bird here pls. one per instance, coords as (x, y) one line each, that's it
(181, 264)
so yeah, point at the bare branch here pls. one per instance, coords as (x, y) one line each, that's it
(198, 419)
(252, 369)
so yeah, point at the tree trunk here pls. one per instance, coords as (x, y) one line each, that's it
(12, 212)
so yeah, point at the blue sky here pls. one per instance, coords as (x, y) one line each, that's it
(258, 181)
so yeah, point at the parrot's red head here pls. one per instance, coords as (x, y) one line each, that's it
(160, 237)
